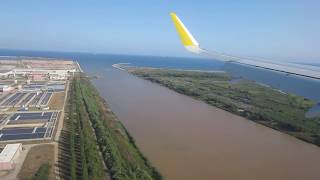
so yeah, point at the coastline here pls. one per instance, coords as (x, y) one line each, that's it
(282, 126)
(120, 66)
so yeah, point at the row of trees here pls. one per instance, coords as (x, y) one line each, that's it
(92, 166)
(72, 137)
(120, 154)
(85, 160)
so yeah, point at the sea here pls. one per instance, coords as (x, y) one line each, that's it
(96, 64)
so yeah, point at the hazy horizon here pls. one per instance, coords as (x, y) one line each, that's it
(192, 56)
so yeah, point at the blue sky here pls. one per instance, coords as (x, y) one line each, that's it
(277, 30)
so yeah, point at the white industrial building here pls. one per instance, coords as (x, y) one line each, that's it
(6, 73)
(53, 74)
(9, 156)
(5, 87)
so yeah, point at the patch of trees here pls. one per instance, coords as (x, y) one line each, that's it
(43, 172)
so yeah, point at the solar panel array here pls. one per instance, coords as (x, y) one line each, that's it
(24, 125)
(25, 133)
(45, 99)
(3, 117)
(27, 99)
(31, 99)
(42, 99)
(13, 99)
(36, 99)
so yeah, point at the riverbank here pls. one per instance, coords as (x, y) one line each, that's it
(270, 107)
(97, 144)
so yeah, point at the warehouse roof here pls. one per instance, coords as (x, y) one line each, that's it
(8, 152)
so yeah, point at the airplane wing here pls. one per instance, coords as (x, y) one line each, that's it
(192, 45)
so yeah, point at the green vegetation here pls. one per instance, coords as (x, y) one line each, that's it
(262, 104)
(43, 172)
(89, 152)
(120, 153)
(99, 136)
(85, 158)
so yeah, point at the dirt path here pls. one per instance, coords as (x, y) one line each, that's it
(58, 132)
(60, 122)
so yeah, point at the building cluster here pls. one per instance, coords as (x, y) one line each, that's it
(32, 95)
(6, 87)
(37, 74)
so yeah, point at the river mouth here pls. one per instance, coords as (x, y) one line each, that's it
(188, 139)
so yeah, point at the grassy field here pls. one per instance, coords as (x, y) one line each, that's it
(37, 157)
(94, 144)
(43, 172)
(259, 103)
(56, 101)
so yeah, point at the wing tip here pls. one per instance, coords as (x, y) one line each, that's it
(186, 38)
(172, 14)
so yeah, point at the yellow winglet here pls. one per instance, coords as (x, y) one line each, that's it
(187, 40)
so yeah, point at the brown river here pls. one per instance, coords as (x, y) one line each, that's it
(186, 139)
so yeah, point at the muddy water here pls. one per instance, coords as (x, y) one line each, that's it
(187, 139)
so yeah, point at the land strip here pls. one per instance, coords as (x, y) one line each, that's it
(95, 143)
(262, 104)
